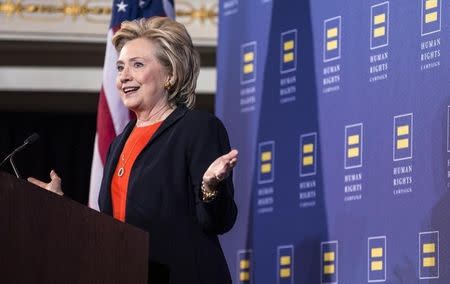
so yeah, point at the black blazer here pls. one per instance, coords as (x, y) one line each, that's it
(164, 198)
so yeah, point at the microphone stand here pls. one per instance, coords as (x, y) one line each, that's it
(11, 160)
(10, 157)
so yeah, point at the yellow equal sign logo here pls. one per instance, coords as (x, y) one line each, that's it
(379, 25)
(329, 252)
(332, 41)
(248, 71)
(288, 49)
(248, 62)
(244, 266)
(332, 35)
(403, 137)
(288, 62)
(308, 157)
(377, 258)
(266, 159)
(353, 145)
(353, 142)
(285, 256)
(376, 253)
(429, 255)
(431, 16)
(308, 154)
(332, 38)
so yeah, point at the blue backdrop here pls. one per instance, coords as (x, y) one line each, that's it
(340, 111)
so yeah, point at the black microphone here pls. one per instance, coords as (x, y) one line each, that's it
(30, 140)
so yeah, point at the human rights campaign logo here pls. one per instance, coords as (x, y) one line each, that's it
(288, 56)
(329, 262)
(266, 161)
(403, 137)
(308, 154)
(248, 62)
(431, 16)
(429, 255)
(353, 146)
(379, 25)
(332, 39)
(285, 260)
(245, 267)
(376, 264)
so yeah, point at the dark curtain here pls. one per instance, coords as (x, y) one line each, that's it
(65, 145)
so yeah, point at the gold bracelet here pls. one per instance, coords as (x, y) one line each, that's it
(208, 195)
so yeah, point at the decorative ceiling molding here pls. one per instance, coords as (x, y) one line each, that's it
(187, 13)
(88, 20)
(74, 9)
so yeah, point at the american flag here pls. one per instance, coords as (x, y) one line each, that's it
(112, 116)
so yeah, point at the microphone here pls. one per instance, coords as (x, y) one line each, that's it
(30, 140)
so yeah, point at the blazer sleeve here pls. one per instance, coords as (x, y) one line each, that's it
(210, 142)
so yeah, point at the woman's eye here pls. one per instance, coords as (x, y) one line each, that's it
(119, 68)
(138, 64)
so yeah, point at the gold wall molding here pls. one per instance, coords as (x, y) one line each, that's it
(74, 9)
(186, 12)
(88, 20)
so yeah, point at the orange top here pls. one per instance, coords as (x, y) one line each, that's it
(136, 142)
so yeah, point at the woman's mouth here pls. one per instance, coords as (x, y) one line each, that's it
(129, 90)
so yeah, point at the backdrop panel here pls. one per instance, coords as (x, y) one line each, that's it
(340, 111)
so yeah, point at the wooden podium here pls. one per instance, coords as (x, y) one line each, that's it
(46, 238)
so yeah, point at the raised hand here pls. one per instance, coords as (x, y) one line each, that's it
(220, 169)
(54, 185)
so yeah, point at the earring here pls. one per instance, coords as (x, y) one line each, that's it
(167, 85)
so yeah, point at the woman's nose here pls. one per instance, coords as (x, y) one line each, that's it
(124, 75)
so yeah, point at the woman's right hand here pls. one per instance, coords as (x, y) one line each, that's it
(54, 185)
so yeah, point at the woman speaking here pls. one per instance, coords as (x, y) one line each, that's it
(169, 171)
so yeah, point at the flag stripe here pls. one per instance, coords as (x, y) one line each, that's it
(105, 126)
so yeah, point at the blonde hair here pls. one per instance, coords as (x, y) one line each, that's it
(174, 51)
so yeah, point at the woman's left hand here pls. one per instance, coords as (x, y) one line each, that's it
(221, 168)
